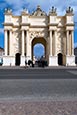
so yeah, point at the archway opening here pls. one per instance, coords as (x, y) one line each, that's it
(38, 48)
(17, 59)
(60, 59)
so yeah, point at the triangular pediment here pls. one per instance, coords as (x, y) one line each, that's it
(38, 12)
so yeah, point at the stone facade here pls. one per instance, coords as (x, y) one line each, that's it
(56, 33)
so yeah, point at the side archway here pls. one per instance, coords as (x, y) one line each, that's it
(17, 59)
(60, 59)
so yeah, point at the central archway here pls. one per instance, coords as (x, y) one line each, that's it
(38, 50)
(41, 41)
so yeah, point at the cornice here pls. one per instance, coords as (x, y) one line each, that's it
(8, 13)
(16, 16)
(8, 24)
(61, 26)
(52, 24)
(69, 14)
(16, 26)
(25, 24)
(31, 16)
(8, 29)
(53, 14)
(38, 26)
(24, 14)
(70, 24)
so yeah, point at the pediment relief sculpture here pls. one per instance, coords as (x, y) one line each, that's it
(38, 12)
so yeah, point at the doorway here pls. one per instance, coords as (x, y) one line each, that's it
(17, 59)
(60, 59)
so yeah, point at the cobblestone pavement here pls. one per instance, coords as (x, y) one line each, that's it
(58, 87)
(39, 108)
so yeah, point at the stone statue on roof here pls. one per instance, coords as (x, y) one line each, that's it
(25, 10)
(69, 10)
(8, 10)
(53, 10)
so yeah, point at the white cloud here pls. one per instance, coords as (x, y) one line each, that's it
(1, 30)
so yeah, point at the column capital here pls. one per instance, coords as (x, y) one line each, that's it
(67, 30)
(8, 30)
(27, 30)
(22, 29)
(5, 30)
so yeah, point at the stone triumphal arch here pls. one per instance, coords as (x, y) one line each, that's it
(55, 32)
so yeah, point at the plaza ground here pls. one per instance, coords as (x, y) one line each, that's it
(38, 91)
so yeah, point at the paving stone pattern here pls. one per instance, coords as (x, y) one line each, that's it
(39, 108)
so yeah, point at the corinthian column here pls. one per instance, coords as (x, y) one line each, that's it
(27, 44)
(72, 42)
(22, 42)
(67, 42)
(5, 43)
(10, 42)
(50, 42)
(55, 44)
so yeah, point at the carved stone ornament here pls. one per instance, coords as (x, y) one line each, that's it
(38, 12)
(60, 44)
(36, 34)
(16, 45)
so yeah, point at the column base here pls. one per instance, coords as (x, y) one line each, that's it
(53, 61)
(28, 58)
(8, 61)
(22, 61)
(70, 60)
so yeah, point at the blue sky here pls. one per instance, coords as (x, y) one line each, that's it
(17, 6)
(39, 50)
